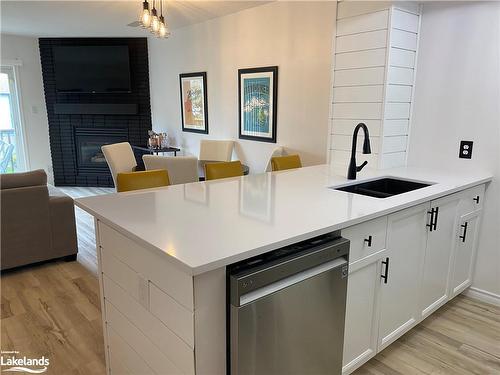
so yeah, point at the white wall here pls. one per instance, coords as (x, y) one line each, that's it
(296, 36)
(457, 98)
(32, 98)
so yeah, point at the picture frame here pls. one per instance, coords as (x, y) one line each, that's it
(258, 103)
(194, 102)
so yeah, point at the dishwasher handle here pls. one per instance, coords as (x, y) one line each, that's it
(293, 279)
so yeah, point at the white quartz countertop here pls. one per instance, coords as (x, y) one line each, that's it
(206, 225)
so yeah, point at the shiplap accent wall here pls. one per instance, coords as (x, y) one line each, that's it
(374, 72)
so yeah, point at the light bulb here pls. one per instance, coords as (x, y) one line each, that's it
(146, 19)
(155, 22)
(162, 32)
(145, 16)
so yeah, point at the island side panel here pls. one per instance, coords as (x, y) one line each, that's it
(210, 322)
(101, 296)
(148, 308)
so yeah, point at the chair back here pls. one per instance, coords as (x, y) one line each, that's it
(181, 169)
(141, 180)
(214, 171)
(120, 158)
(280, 163)
(214, 150)
(278, 151)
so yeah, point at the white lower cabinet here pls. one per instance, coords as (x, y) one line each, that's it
(465, 253)
(440, 244)
(361, 322)
(426, 259)
(406, 241)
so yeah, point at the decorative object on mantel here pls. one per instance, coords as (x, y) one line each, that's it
(157, 140)
(258, 97)
(150, 19)
(194, 102)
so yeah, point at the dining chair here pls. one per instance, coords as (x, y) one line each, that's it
(278, 151)
(128, 181)
(120, 158)
(214, 171)
(216, 150)
(281, 163)
(181, 169)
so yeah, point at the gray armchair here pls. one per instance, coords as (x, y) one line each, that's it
(37, 222)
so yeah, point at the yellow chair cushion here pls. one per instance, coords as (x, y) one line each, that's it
(280, 163)
(214, 171)
(141, 180)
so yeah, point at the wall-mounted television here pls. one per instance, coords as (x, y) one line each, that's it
(92, 69)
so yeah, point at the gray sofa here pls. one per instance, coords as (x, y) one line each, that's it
(37, 221)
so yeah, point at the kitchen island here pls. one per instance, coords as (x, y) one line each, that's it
(163, 254)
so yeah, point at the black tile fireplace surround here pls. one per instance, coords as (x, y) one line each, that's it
(79, 124)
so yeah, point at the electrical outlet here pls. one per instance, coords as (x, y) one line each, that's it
(465, 150)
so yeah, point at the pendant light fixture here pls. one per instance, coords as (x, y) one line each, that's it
(163, 30)
(155, 22)
(150, 19)
(145, 16)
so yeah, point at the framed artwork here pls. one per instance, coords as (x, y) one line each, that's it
(194, 103)
(258, 96)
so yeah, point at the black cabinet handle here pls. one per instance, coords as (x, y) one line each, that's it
(369, 241)
(385, 276)
(464, 235)
(476, 199)
(431, 224)
(436, 218)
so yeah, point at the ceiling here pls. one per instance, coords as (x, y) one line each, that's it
(103, 18)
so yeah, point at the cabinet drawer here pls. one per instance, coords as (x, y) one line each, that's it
(360, 236)
(168, 276)
(472, 200)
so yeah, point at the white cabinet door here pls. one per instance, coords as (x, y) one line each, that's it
(440, 245)
(406, 241)
(361, 318)
(465, 253)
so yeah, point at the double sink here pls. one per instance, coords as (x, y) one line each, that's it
(383, 187)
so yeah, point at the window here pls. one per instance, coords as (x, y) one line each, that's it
(11, 140)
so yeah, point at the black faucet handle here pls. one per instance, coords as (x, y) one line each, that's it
(360, 167)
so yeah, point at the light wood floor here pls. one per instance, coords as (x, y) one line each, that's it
(85, 226)
(54, 310)
(463, 337)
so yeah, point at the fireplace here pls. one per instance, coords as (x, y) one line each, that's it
(80, 123)
(88, 142)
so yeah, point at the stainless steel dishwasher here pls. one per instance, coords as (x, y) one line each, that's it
(286, 309)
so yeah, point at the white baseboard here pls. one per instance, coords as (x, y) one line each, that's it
(483, 295)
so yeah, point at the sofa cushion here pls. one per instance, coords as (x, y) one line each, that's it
(25, 179)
